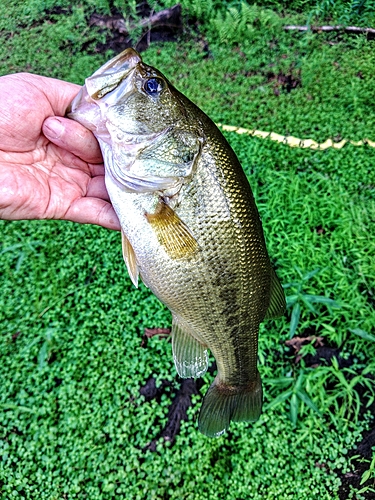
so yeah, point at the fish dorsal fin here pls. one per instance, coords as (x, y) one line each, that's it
(130, 260)
(190, 356)
(277, 304)
(172, 233)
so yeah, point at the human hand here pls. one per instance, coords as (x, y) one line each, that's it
(50, 167)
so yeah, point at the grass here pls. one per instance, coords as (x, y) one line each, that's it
(73, 423)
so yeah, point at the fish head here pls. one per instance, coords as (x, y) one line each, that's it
(89, 104)
(149, 139)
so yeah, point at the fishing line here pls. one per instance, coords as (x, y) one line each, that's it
(295, 142)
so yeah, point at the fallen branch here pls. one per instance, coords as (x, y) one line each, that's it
(167, 17)
(339, 27)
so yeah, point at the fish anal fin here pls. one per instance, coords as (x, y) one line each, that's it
(172, 233)
(130, 259)
(223, 404)
(277, 304)
(190, 356)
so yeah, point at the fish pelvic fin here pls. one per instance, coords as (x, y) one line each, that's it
(189, 355)
(172, 233)
(223, 404)
(277, 303)
(130, 259)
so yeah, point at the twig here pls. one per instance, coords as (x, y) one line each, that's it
(339, 27)
(151, 332)
(162, 332)
(297, 342)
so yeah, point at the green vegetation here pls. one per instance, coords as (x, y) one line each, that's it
(73, 424)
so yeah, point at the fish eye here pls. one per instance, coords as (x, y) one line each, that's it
(153, 86)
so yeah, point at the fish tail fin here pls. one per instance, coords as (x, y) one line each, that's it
(223, 404)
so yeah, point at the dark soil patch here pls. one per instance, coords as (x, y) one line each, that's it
(284, 82)
(352, 480)
(362, 455)
(177, 412)
(361, 458)
(150, 391)
(179, 406)
(368, 442)
(148, 27)
(181, 400)
(323, 352)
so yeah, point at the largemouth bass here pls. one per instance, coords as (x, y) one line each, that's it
(190, 228)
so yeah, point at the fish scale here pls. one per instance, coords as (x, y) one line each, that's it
(191, 229)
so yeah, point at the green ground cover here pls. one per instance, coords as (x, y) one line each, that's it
(72, 421)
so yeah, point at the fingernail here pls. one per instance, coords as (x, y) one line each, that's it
(53, 128)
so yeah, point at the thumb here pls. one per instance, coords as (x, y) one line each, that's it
(74, 137)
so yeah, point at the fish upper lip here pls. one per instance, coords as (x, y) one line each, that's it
(116, 63)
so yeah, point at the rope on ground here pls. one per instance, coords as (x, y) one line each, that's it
(295, 142)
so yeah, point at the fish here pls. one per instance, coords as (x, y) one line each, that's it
(190, 228)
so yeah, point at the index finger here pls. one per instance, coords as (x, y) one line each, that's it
(74, 137)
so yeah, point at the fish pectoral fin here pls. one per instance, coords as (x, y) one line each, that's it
(223, 404)
(130, 259)
(190, 356)
(172, 233)
(277, 304)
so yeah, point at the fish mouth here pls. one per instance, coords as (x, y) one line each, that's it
(111, 74)
(86, 107)
(127, 59)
